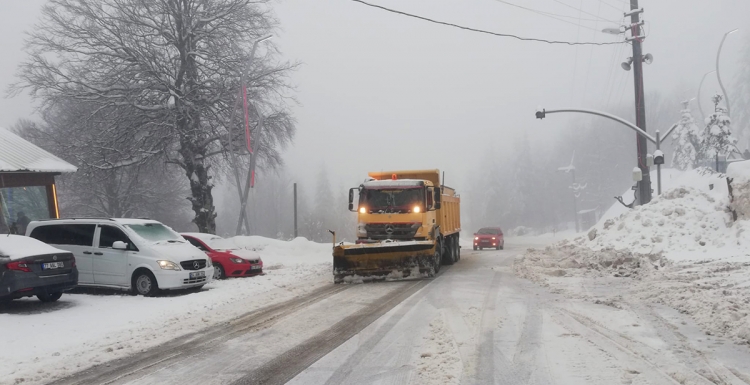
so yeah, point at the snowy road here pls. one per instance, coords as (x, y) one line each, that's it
(476, 323)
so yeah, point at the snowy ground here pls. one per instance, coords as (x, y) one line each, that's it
(683, 250)
(45, 341)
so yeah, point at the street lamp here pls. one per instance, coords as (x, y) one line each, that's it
(703, 116)
(718, 74)
(658, 154)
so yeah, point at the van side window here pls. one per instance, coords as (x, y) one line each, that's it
(72, 235)
(110, 234)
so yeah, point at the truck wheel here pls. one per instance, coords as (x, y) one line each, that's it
(436, 265)
(449, 252)
(457, 244)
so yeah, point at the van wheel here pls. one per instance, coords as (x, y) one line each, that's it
(144, 283)
(49, 297)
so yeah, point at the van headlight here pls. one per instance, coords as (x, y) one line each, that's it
(168, 265)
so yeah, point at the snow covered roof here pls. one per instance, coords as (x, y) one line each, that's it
(18, 247)
(18, 154)
(134, 221)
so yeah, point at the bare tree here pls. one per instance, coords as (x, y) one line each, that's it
(175, 67)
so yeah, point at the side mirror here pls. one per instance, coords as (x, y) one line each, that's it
(437, 198)
(119, 245)
(351, 199)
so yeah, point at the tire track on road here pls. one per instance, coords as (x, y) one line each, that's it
(287, 365)
(648, 360)
(199, 342)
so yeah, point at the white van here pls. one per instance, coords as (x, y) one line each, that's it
(133, 254)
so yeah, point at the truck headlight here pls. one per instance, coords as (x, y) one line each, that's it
(168, 265)
(361, 230)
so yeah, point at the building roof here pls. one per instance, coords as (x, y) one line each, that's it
(18, 154)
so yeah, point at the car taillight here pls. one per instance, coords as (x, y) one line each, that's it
(72, 261)
(18, 266)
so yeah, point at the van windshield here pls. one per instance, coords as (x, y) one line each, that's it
(155, 232)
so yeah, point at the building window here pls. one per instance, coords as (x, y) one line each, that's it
(20, 205)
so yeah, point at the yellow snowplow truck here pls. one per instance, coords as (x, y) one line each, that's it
(408, 225)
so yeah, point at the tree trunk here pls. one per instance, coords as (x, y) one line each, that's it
(200, 188)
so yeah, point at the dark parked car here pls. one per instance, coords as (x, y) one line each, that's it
(29, 267)
(489, 237)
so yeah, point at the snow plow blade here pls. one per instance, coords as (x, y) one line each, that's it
(398, 259)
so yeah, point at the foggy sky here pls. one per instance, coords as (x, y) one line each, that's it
(378, 91)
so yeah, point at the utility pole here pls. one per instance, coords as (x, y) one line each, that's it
(295, 210)
(640, 103)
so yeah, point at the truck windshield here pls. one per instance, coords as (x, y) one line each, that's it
(391, 200)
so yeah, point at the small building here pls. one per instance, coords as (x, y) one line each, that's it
(27, 182)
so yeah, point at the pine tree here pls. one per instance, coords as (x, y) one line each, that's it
(688, 141)
(718, 134)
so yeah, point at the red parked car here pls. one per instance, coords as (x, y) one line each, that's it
(489, 237)
(228, 259)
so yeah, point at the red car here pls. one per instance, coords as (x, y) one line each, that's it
(228, 259)
(489, 237)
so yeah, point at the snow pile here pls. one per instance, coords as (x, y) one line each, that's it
(682, 250)
(715, 293)
(684, 222)
(277, 253)
(564, 258)
(739, 174)
(439, 361)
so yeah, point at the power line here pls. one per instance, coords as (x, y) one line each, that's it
(580, 10)
(480, 30)
(548, 14)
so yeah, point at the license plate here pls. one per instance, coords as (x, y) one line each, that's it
(197, 274)
(52, 265)
(256, 267)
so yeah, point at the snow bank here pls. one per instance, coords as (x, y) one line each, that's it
(692, 221)
(683, 250)
(102, 325)
(739, 172)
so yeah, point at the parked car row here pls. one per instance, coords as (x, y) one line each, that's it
(140, 255)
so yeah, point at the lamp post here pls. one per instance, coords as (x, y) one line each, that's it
(542, 113)
(718, 73)
(703, 116)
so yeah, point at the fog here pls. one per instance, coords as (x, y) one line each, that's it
(379, 91)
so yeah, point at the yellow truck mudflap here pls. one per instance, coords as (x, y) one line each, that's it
(384, 258)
